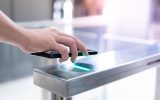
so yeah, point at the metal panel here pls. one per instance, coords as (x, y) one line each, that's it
(157, 90)
(108, 67)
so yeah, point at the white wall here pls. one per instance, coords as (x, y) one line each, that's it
(129, 17)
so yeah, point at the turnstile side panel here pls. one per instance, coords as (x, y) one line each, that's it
(93, 77)
(123, 64)
(51, 84)
(107, 80)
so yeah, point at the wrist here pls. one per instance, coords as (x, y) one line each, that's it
(21, 37)
(12, 33)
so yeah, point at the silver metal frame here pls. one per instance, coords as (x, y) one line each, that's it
(126, 63)
(157, 88)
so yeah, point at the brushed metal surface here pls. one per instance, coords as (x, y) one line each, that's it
(108, 67)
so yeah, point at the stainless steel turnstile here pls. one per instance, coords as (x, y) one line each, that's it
(67, 79)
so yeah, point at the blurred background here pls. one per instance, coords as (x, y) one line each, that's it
(90, 21)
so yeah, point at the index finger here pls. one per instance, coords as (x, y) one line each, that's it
(79, 44)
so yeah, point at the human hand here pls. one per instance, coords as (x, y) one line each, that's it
(40, 40)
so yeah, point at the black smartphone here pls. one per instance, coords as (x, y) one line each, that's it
(54, 54)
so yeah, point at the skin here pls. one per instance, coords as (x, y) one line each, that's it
(39, 40)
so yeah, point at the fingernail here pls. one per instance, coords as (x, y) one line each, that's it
(73, 60)
(85, 54)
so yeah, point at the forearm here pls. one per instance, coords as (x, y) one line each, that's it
(10, 32)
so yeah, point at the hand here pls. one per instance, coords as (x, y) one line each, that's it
(40, 40)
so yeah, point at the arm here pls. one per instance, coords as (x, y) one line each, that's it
(10, 32)
(39, 40)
